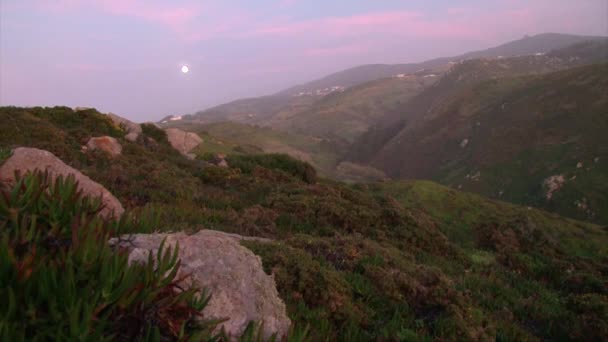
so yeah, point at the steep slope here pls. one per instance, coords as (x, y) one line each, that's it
(460, 79)
(506, 137)
(344, 116)
(386, 261)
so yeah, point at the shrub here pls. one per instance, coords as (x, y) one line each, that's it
(5, 153)
(150, 130)
(61, 280)
(275, 161)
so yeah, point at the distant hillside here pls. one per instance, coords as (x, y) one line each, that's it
(281, 110)
(541, 43)
(344, 116)
(460, 78)
(506, 138)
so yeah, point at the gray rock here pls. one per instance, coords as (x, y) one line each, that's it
(183, 141)
(553, 184)
(132, 129)
(240, 290)
(219, 160)
(29, 159)
(109, 145)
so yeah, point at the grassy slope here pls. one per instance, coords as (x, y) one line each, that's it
(520, 131)
(340, 116)
(344, 116)
(394, 260)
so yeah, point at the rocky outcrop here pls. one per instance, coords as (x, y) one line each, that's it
(240, 290)
(553, 184)
(26, 159)
(132, 129)
(219, 160)
(183, 141)
(109, 145)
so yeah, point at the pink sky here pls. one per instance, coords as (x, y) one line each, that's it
(124, 55)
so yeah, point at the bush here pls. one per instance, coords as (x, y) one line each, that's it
(150, 130)
(5, 153)
(275, 161)
(61, 280)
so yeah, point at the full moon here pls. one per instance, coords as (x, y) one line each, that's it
(185, 69)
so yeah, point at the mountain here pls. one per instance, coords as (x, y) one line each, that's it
(391, 260)
(356, 98)
(541, 43)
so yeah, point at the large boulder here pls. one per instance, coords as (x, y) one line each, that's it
(109, 145)
(240, 290)
(183, 141)
(132, 129)
(26, 159)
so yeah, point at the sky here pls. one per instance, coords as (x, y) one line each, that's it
(125, 56)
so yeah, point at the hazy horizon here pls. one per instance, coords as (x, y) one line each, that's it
(124, 56)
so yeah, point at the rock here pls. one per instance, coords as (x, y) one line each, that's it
(132, 129)
(183, 141)
(28, 159)
(553, 184)
(464, 143)
(219, 160)
(240, 290)
(109, 145)
(80, 109)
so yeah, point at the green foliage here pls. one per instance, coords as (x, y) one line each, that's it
(61, 280)
(282, 162)
(159, 135)
(5, 153)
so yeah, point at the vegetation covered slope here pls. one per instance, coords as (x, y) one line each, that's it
(344, 116)
(506, 137)
(339, 116)
(462, 77)
(385, 261)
